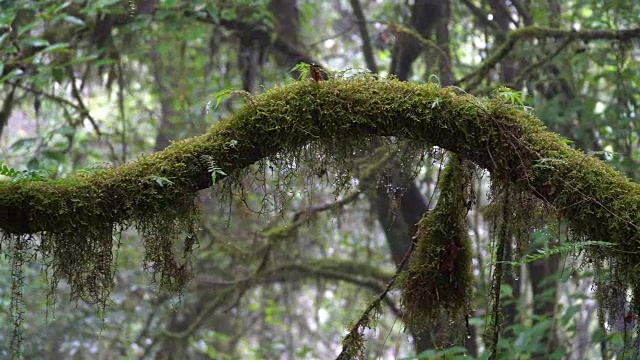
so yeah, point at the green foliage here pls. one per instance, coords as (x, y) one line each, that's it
(213, 337)
(13, 175)
(218, 96)
(253, 12)
(57, 46)
(8, 171)
(511, 96)
(302, 69)
(562, 249)
(213, 169)
(160, 180)
(452, 353)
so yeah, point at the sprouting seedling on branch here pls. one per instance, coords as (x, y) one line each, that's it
(313, 70)
(213, 169)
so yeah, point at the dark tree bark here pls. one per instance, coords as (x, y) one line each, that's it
(425, 15)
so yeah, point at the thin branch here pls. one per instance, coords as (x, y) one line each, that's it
(45, 94)
(364, 318)
(284, 273)
(81, 107)
(367, 49)
(547, 59)
(288, 49)
(533, 32)
(334, 36)
(481, 16)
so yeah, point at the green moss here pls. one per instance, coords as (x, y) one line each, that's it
(438, 282)
(329, 120)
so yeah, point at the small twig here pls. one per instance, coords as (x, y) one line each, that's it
(81, 107)
(45, 94)
(529, 70)
(374, 304)
(336, 35)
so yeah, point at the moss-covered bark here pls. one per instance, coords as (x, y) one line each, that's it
(438, 282)
(337, 116)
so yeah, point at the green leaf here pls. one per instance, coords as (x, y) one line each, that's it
(160, 180)
(7, 171)
(228, 14)
(61, 7)
(560, 249)
(56, 156)
(12, 74)
(56, 47)
(214, 170)
(569, 313)
(25, 29)
(24, 143)
(65, 130)
(83, 59)
(36, 42)
(219, 96)
(58, 74)
(303, 68)
(616, 338)
(73, 20)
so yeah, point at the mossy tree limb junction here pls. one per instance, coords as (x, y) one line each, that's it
(597, 201)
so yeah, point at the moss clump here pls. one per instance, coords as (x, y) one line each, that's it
(438, 282)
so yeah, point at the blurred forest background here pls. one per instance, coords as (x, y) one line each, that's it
(84, 84)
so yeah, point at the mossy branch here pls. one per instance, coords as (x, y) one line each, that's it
(599, 202)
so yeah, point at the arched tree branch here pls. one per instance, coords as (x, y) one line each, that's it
(599, 202)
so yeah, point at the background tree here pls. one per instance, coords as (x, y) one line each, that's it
(281, 263)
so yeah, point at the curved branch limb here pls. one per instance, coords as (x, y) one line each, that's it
(526, 73)
(473, 79)
(598, 202)
(327, 269)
